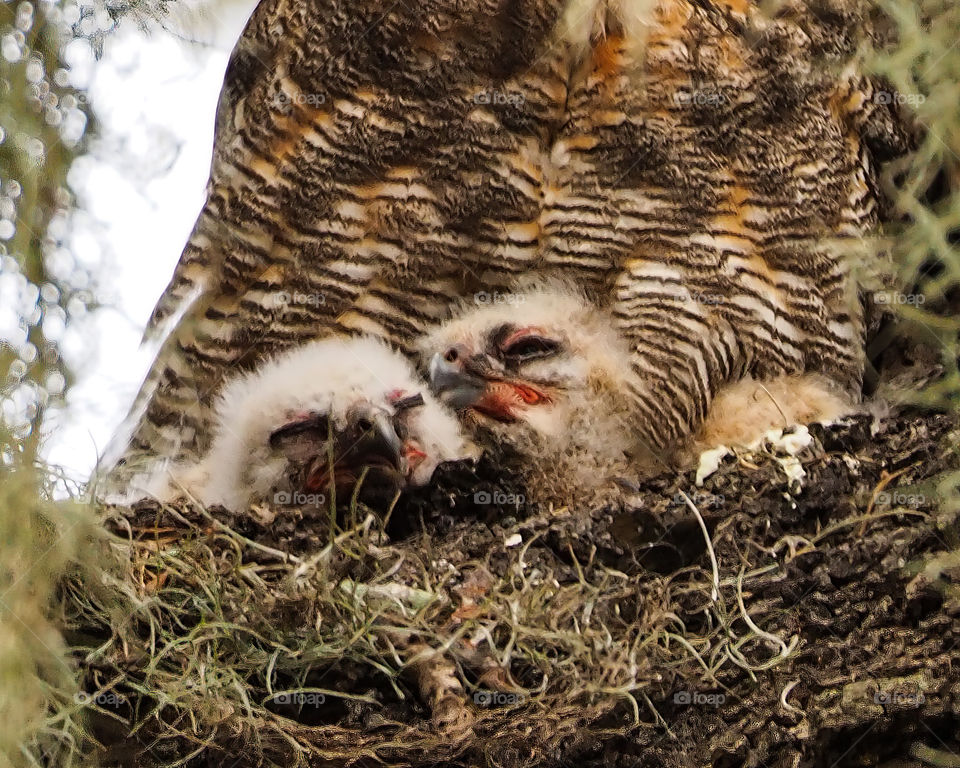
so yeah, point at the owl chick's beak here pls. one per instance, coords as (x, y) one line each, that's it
(368, 440)
(374, 439)
(473, 382)
(457, 378)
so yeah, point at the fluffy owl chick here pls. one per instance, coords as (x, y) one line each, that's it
(545, 376)
(320, 415)
(548, 376)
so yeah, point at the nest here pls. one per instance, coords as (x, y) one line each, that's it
(752, 620)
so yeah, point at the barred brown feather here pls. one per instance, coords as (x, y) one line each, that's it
(683, 163)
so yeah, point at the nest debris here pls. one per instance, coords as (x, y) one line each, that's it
(803, 622)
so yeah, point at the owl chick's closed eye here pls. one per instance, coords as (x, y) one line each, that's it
(318, 417)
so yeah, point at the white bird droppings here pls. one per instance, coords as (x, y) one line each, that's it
(710, 462)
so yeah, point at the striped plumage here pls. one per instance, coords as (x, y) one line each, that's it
(681, 163)
(543, 385)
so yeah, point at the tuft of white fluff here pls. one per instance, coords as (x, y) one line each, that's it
(583, 21)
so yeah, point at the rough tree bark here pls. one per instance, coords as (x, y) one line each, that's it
(852, 582)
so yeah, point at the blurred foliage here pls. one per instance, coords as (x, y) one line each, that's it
(97, 20)
(40, 541)
(925, 71)
(924, 68)
(44, 126)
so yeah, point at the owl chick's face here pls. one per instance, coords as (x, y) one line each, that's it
(381, 436)
(540, 363)
(324, 415)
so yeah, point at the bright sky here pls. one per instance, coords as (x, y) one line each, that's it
(141, 191)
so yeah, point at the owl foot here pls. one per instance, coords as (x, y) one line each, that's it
(743, 412)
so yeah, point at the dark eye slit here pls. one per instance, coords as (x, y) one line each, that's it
(316, 424)
(531, 348)
(500, 334)
(406, 403)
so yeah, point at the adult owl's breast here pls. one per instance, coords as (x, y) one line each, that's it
(387, 158)
(377, 161)
(701, 171)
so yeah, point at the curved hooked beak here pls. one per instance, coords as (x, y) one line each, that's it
(456, 383)
(462, 380)
(474, 382)
(369, 439)
(379, 439)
